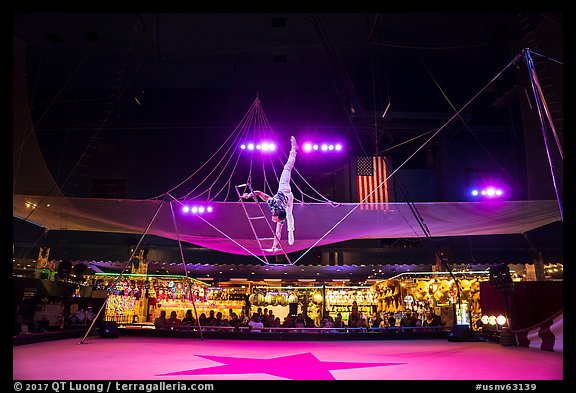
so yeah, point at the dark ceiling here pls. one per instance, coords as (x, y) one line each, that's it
(145, 81)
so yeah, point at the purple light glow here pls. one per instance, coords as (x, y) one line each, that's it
(197, 209)
(488, 192)
(324, 147)
(262, 146)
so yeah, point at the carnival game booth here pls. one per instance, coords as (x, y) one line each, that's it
(315, 301)
(454, 298)
(139, 298)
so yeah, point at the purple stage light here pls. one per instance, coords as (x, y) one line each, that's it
(262, 146)
(197, 209)
(324, 147)
(488, 192)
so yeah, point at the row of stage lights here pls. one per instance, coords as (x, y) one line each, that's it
(493, 320)
(307, 147)
(197, 209)
(489, 192)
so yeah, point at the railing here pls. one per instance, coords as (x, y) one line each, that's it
(288, 330)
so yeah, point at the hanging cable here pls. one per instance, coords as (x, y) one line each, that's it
(190, 293)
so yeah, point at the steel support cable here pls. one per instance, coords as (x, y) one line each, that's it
(128, 263)
(229, 153)
(232, 240)
(333, 58)
(98, 130)
(230, 146)
(537, 97)
(225, 165)
(409, 158)
(542, 99)
(45, 112)
(462, 120)
(190, 293)
(204, 164)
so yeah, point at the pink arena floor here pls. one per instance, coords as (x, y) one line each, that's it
(178, 359)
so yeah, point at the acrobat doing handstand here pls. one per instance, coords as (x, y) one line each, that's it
(282, 202)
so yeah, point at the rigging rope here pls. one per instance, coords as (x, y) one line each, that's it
(409, 158)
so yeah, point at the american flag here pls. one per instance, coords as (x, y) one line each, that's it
(372, 172)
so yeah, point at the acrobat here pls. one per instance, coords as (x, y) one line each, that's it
(282, 202)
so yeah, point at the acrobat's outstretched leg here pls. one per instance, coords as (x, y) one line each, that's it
(284, 186)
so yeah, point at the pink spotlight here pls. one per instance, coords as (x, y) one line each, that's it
(201, 209)
(243, 146)
(315, 147)
(307, 147)
(209, 209)
(186, 209)
(250, 146)
(194, 210)
(324, 147)
(338, 147)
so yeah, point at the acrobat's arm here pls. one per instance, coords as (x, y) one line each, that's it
(277, 237)
(257, 193)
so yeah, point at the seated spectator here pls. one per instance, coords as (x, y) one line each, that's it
(188, 319)
(338, 322)
(211, 320)
(327, 322)
(376, 320)
(408, 320)
(277, 322)
(299, 321)
(255, 323)
(161, 321)
(431, 319)
(219, 320)
(391, 320)
(174, 320)
(289, 322)
(355, 319)
(235, 321)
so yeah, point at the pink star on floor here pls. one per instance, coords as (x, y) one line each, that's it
(303, 366)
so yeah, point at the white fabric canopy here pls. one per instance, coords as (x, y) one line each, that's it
(227, 228)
